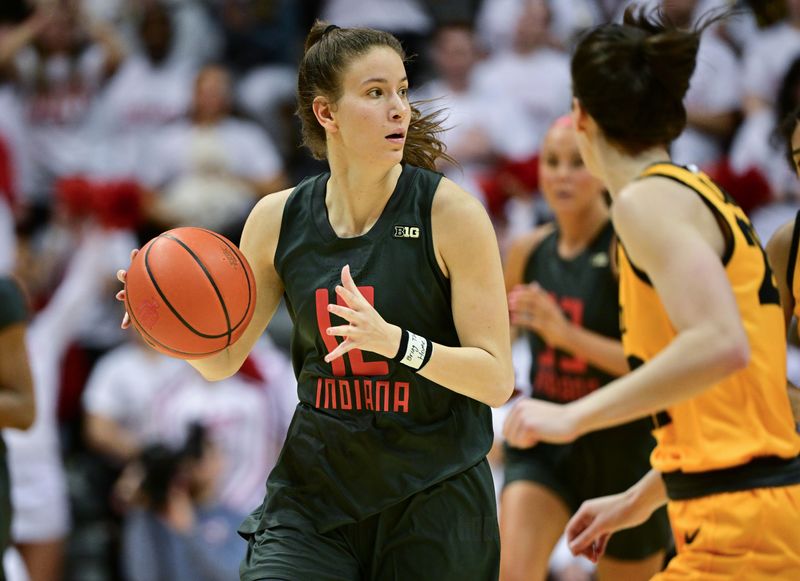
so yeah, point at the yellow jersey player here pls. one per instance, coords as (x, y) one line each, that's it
(702, 328)
(782, 249)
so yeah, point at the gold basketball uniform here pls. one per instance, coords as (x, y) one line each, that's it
(728, 456)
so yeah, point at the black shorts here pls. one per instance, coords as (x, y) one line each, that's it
(597, 464)
(447, 532)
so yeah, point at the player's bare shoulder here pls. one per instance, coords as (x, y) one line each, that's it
(519, 253)
(461, 226)
(263, 227)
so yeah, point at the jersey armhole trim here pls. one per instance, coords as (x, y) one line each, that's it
(725, 228)
(276, 260)
(793, 253)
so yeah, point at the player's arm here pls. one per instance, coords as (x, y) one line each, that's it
(468, 254)
(519, 253)
(259, 242)
(597, 519)
(105, 435)
(778, 250)
(515, 260)
(672, 236)
(17, 407)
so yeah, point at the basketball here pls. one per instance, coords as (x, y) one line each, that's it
(190, 293)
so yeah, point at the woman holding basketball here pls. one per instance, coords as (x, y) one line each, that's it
(563, 292)
(702, 328)
(392, 276)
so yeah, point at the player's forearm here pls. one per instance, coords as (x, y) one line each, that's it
(17, 403)
(694, 361)
(649, 493)
(473, 372)
(794, 399)
(602, 352)
(17, 409)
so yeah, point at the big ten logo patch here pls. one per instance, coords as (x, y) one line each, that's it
(406, 232)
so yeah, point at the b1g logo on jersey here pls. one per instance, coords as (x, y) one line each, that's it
(406, 232)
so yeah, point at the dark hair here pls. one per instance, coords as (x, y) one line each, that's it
(328, 51)
(787, 110)
(632, 77)
(163, 464)
(786, 129)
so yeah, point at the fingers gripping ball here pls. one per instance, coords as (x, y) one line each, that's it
(190, 293)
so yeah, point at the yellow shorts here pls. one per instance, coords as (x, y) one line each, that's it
(751, 535)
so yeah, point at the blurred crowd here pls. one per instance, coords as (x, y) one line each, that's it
(122, 118)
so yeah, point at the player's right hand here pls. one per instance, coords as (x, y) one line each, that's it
(589, 529)
(121, 274)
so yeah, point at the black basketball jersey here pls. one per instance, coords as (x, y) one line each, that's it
(368, 432)
(586, 290)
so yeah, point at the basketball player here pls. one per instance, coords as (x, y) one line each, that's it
(701, 322)
(563, 290)
(17, 408)
(782, 248)
(392, 275)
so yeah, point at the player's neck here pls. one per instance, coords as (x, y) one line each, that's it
(619, 169)
(577, 230)
(356, 196)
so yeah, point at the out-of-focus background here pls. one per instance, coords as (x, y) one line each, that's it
(122, 118)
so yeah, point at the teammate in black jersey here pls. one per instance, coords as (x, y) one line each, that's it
(563, 290)
(392, 276)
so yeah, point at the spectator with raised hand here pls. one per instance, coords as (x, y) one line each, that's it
(60, 61)
(152, 87)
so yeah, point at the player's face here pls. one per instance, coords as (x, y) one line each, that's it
(563, 178)
(796, 148)
(373, 113)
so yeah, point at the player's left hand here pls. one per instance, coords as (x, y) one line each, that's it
(532, 421)
(366, 329)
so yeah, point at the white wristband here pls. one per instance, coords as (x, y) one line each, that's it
(418, 351)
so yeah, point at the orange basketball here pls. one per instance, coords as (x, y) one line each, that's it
(190, 293)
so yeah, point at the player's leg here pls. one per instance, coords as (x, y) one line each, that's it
(609, 568)
(447, 532)
(532, 519)
(44, 559)
(299, 553)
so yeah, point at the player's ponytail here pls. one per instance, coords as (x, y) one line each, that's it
(632, 77)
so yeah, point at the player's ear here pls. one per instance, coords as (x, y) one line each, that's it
(324, 112)
(579, 116)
